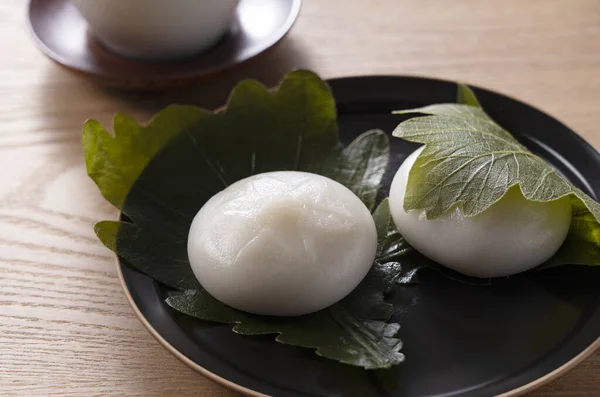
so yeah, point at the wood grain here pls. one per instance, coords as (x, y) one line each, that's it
(65, 326)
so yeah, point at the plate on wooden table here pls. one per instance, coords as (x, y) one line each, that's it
(60, 32)
(502, 339)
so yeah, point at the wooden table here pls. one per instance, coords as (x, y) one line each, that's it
(65, 326)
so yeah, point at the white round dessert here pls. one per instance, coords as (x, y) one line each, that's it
(158, 30)
(511, 236)
(282, 243)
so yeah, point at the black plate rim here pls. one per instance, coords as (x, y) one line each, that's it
(522, 390)
(179, 355)
(528, 388)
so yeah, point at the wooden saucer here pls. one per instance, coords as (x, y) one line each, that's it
(61, 33)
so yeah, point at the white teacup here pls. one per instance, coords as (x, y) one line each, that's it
(158, 30)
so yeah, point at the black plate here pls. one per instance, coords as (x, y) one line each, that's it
(468, 341)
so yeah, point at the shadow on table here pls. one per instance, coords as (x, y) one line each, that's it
(268, 68)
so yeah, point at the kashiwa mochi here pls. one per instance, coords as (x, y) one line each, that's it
(282, 243)
(511, 236)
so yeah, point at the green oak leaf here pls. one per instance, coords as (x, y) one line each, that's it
(354, 331)
(158, 255)
(335, 333)
(161, 174)
(360, 166)
(393, 247)
(582, 245)
(294, 126)
(471, 161)
(466, 96)
(156, 242)
(114, 163)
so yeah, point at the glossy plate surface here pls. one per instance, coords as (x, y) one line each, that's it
(60, 31)
(459, 340)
